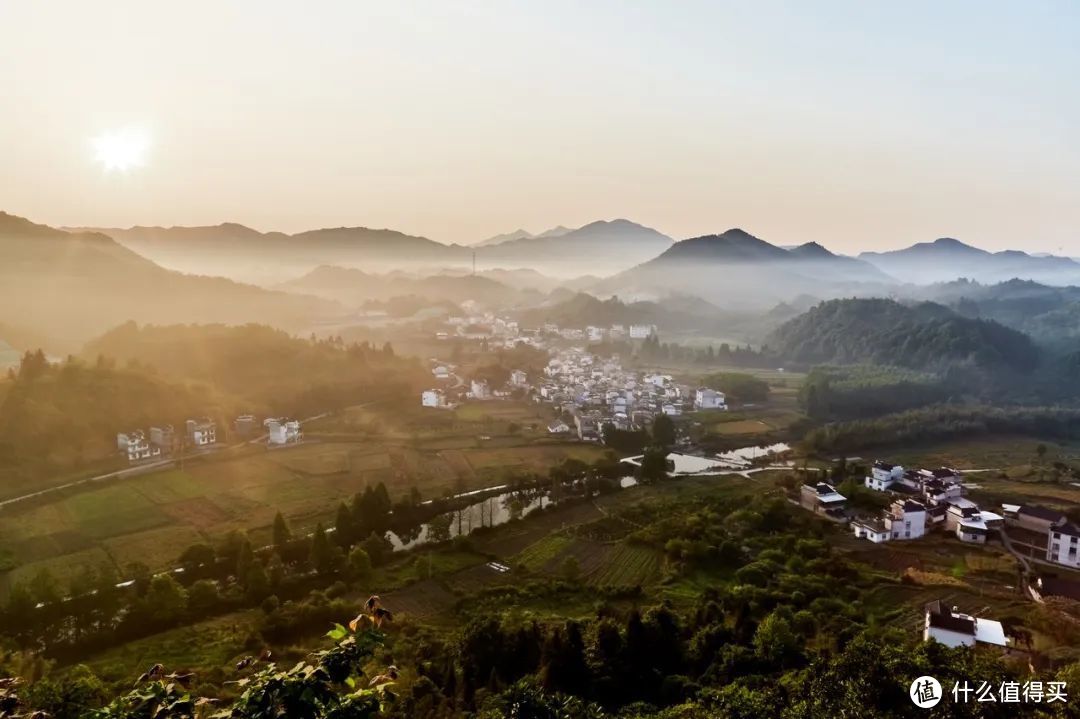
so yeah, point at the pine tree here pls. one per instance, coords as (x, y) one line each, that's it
(322, 557)
(282, 534)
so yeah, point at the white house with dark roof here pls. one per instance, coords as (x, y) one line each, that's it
(883, 475)
(1063, 546)
(201, 432)
(906, 519)
(823, 498)
(954, 629)
(136, 446)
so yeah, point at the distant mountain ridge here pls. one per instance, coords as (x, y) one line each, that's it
(738, 268)
(519, 234)
(73, 285)
(947, 259)
(596, 248)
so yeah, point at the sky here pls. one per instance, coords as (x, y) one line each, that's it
(859, 125)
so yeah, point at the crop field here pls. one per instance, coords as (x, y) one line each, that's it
(599, 563)
(1016, 456)
(152, 518)
(210, 643)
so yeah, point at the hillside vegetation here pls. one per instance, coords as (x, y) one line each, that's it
(881, 331)
(56, 417)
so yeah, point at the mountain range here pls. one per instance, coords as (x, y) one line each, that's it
(742, 270)
(64, 287)
(597, 248)
(522, 235)
(947, 259)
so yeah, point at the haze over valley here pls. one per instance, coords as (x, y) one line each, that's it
(539, 360)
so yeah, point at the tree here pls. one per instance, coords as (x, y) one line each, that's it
(197, 556)
(439, 529)
(663, 431)
(321, 557)
(653, 465)
(359, 564)
(378, 548)
(343, 526)
(202, 597)
(775, 641)
(282, 534)
(165, 600)
(256, 583)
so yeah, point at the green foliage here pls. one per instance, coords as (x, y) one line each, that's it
(837, 393)
(885, 332)
(738, 386)
(943, 422)
(663, 431)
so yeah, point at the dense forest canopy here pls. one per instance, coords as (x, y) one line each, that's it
(881, 331)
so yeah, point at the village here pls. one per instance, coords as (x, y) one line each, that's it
(588, 393)
(930, 502)
(200, 435)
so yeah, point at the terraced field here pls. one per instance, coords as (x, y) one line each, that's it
(599, 563)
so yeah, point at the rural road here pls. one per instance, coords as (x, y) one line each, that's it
(139, 469)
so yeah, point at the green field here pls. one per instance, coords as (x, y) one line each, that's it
(152, 518)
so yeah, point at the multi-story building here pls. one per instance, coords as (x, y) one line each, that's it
(163, 437)
(201, 432)
(282, 431)
(136, 446)
(1063, 545)
(706, 398)
(432, 398)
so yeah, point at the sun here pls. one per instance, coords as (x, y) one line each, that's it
(121, 150)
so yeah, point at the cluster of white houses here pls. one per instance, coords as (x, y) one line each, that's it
(595, 391)
(490, 327)
(930, 498)
(201, 433)
(139, 446)
(598, 392)
(925, 499)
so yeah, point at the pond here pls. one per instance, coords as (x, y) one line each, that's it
(501, 508)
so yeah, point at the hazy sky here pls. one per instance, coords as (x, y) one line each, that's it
(860, 125)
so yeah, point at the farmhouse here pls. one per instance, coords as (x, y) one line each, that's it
(518, 378)
(282, 431)
(478, 389)
(201, 432)
(163, 437)
(558, 427)
(953, 629)
(432, 398)
(884, 475)
(245, 425)
(136, 446)
(966, 522)
(823, 498)
(706, 398)
(1064, 544)
(905, 519)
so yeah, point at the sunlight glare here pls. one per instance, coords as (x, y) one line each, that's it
(122, 149)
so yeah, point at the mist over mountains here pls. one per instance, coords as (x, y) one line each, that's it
(155, 274)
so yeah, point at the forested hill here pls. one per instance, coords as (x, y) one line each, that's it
(58, 416)
(265, 366)
(926, 336)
